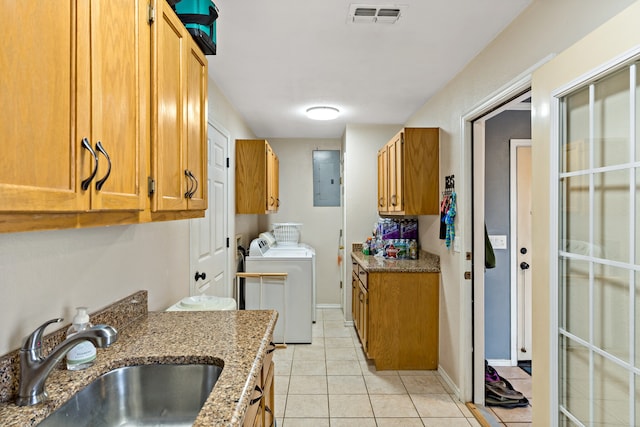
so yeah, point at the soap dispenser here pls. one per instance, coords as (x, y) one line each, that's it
(83, 354)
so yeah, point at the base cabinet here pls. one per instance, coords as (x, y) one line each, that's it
(396, 317)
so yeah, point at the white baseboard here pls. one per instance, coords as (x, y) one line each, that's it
(321, 306)
(450, 383)
(500, 362)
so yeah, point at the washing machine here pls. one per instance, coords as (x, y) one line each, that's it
(293, 299)
(293, 248)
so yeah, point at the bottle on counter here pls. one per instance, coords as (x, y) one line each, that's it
(413, 249)
(83, 354)
(366, 247)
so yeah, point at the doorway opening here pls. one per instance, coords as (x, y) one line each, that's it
(501, 231)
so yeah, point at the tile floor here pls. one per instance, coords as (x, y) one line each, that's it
(520, 381)
(330, 383)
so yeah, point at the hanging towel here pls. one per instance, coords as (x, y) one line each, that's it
(449, 221)
(444, 206)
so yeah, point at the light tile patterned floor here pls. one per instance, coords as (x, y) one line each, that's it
(521, 381)
(330, 383)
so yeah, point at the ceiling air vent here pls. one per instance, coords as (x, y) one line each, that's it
(375, 14)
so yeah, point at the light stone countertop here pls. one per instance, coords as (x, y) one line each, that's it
(426, 263)
(236, 340)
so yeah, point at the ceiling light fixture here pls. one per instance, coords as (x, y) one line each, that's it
(322, 113)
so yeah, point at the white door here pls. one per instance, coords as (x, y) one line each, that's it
(521, 249)
(209, 235)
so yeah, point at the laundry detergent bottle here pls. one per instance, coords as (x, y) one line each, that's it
(83, 354)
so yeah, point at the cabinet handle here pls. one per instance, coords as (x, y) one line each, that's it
(192, 189)
(256, 399)
(272, 347)
(101, 182)
(188, 192)
(195, 180)
(361, 296)
(381, 201)
(85, 183)
(393, 200)
(272, 201)
(273, 419)
(277, 203)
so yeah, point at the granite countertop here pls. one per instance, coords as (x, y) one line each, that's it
(426, 263)
(236, 340)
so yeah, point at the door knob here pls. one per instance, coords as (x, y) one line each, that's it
(202, 276)
(524, 265)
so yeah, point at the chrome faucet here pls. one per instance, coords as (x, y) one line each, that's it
(35, 369)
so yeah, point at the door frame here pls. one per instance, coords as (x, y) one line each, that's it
(513, 232)
(472, 323)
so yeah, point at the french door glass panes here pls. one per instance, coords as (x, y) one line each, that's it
(599, 252)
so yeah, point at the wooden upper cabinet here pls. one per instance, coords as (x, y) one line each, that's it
(58, 90)
(408, 173)
(197, 142)
(118, 116)
(179, 105)
(257, 177)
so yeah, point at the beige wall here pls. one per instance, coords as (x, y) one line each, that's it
(601, 46)
(361, 145)
(545, 28)
(321, 225)
(46, 274)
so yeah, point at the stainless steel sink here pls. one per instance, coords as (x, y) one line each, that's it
(144, 395)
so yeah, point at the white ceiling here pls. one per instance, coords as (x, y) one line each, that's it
(277, 58)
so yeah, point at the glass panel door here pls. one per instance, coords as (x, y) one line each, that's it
(598, 252)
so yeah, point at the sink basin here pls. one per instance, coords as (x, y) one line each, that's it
(143, 395)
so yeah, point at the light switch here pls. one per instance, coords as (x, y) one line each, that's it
(498, 241)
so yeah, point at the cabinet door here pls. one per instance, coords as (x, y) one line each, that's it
(354, 296)
(363, 311)
(271, 180)
(169, 115)
(116, 105)
(251, 176)
(396, 174)
(276, 180)
(269, 398)
(383, 180)
(197, 125)
(41, 159)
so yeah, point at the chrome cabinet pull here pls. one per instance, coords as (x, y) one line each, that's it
(101, 182)
(86, 182)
